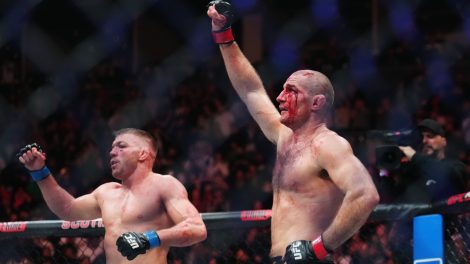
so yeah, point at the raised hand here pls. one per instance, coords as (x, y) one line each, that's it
(34, 159)
(221, 13)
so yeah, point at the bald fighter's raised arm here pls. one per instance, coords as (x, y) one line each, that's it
(242, 75)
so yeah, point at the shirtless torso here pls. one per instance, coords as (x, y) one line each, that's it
(302, 193)
(139, 210)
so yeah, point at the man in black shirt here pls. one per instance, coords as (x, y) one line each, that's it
(430, 175)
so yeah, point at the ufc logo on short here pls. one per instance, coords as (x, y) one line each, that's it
(296, 251)
(131, 240)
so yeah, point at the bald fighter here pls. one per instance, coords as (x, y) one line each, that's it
(322, 193)
(144, 215)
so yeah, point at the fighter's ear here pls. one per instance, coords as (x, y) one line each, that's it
(144, 154)
(318, 101)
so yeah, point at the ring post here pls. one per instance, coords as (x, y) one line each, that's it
(428, 243)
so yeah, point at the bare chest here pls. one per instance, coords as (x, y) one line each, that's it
(296, 165)
(129, 207)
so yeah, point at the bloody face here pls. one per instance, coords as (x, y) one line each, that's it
(294, 101)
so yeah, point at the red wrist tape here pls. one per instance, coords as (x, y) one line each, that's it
(319, 249)
(224, 36)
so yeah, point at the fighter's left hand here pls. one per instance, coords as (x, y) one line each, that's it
(131, 244)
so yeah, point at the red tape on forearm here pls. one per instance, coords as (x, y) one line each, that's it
(223, 37)
(319, 249)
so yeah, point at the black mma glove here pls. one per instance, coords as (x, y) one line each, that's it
(305, 252)
(26, 148)
(224, 35)
(39, 174)
(131, 244)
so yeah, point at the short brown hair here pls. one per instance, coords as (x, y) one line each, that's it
(140, 133)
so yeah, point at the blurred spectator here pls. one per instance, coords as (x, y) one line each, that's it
(218, 166)
(430, 176)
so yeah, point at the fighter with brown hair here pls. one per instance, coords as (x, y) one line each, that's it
(146, 213)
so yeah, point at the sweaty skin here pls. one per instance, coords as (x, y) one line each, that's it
(138, 210)
(306, 197)
(143, 201)
(319, 186)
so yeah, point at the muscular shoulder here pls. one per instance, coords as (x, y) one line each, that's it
(331, 146)
(170, 186)
(106, 187)
(106, 190)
